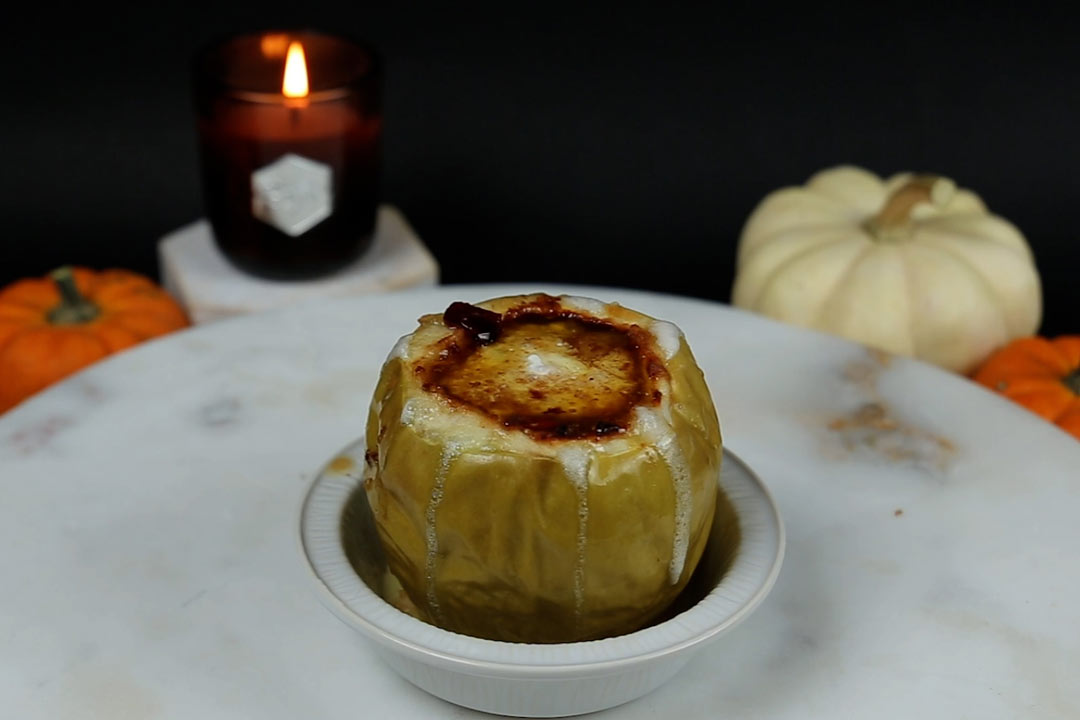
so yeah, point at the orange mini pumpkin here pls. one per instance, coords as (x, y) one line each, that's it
(1042, 375)
(50, 327)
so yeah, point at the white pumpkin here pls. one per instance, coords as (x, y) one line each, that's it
(910, 265)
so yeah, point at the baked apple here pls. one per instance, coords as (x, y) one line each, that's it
(542, 469)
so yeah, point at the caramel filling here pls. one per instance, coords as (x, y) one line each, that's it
(550, 372)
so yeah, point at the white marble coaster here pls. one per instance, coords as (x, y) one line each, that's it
(209, 288)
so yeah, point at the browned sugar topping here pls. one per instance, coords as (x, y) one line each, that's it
(549, 371)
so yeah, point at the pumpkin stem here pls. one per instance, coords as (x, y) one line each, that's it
(1072, 381)
(895, 214)
(74, 308)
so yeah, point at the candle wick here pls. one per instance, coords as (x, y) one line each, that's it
(294, 116)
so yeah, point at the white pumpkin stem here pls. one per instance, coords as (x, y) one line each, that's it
(896, 212)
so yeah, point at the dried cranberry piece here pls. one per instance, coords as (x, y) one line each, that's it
(481, 325)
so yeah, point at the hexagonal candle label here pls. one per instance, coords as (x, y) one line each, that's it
(292, 194)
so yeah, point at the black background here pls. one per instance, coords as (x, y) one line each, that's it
(615, 145)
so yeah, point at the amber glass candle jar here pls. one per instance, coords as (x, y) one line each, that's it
(289, 127)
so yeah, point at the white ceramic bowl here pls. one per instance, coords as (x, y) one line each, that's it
(537, 680)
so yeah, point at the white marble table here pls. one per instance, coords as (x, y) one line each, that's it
(148, 519)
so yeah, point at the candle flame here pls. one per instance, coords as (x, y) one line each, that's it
(295, 82)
